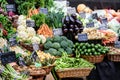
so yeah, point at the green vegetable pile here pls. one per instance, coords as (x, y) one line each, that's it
(8, 73)
(67, 62)
(7, 24)
(57, 45)
(39, 19)
(23, 9)
(54, 19)
(90, 49)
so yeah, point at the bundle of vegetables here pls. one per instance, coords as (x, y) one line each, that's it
(45, 58)
(58, 44)
(90, 49)
(8, 73)
(19, 50)
(32, 11)
(3, 4)
(114, 50)
(6, 27)
(93, 33)
(109, 36)
(54, 19)
(71, 26)
(24, 35)
(2, 42)
(23, 9)
(39, 19)
(67, 62)
(45, 31)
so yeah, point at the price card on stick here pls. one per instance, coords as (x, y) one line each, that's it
(71, 10)
(30, 23)
(94, 16)
(117, 44)
(44, 10)
(82, 14)
(104, 21)
(82, 37)
(91, 24)
(8, 57)
(10, 7)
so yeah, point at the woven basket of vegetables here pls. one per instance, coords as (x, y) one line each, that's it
(29, 46)
(93, 53)
(73, 72)
(48, 68)
(72, 67)
(47, 61)
(94, 58)
(114, 54)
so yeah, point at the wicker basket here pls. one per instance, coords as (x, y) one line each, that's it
(114, 57)
(94, 59)
(38, 75)
(73, 72)
(48, 68)
(30, 47)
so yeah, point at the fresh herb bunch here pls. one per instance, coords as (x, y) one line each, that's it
(7, 25)
(39, 19)
(54, 19)
(3, 4)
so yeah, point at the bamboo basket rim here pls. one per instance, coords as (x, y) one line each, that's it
(69, 69)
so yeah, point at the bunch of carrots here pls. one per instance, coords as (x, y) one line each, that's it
(45, 30)
(109, 36)
(32, 11)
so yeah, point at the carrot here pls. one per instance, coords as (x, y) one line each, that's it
(45, 30)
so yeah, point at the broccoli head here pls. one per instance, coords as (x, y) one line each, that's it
(61, 50)
(56, 38)
(59, 53)
(70, 43)
(52, 51)
(49, 39)
(47, 45)
(64, 44)
(64, 38)
(56, 45)
(69, 50)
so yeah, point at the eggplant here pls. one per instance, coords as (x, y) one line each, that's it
(67, 20)
(74, 16)
(79, 23)
(71, 26)
(64, 26)
(71, 30)
(65, 30)
(81, 30)
(72, 21)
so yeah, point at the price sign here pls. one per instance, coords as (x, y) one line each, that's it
(34, 56)
(10, 7)
(82, 37)
(117, 44)
(82, 14)
(57, 31)
(35, 47)
(91, 24)
(103, 27)
(30, 23)
(94, 16)
(8, 57)
(44, 10)
(104, 20)
(71, 10)
(12, 41)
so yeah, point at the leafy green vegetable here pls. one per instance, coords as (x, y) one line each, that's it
(67, 62)
(54, 19)
(39, 19)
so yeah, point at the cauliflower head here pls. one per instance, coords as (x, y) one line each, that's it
(35, 39)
